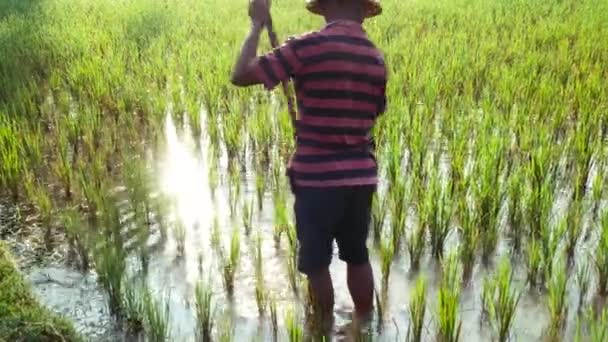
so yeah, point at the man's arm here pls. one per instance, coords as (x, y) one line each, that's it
(244, 73)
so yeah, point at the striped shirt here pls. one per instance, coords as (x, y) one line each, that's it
(340, 81)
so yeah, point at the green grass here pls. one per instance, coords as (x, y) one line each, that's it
(508, 96)
(23, 318)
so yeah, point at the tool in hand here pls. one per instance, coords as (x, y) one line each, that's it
(274, 42)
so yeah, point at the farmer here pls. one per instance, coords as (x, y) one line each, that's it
(340, 81)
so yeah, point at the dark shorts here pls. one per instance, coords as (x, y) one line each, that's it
(323, 215)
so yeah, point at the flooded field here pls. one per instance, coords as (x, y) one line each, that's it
(145, 199)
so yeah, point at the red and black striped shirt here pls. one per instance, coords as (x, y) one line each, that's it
(340, 81)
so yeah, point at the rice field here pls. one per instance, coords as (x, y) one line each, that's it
(126, 155)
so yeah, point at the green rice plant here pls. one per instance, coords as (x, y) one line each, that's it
(260, 188)
(247, 213)
(437, 214)
(62, 167)
(156, 317)
(601, 257)
(280, 216)
(133, 305)
(417, 310)
(226, 331)
(573, 228)
(583, 280)
(397, 203)
(501, 300)
(179, 235)
(205, 312)
(469, 236)
(234, 188)
(540, 199)
(416, 242)
(292, 257)
(260, 287)
(449, 326)
(230, 263)
(387, 251)
(78, 238)
(556, 302)
(378, 215)
(489, 194)
(550, 240)
(295, 333)
(43, 202)
(516, 213)
(273, 318)
(534, 261)
(596, 327)
(110, 266)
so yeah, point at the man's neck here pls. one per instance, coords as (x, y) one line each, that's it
(334, 18)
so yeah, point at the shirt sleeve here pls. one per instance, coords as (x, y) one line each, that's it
(279, 65)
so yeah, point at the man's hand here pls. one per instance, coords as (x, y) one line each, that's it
(259, 11)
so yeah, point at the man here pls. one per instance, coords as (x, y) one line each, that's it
(340, 81)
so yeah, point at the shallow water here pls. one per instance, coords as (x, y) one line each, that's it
(184, 176)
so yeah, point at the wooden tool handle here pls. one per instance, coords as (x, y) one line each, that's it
(274, 42)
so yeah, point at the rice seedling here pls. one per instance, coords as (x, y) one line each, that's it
(417, 311)
(156, 317)
(516, 214)
(534, 262)
(416, 243)
(230, 263)
(601, 257)
(226, 331)
(596, 327)
(398, 209)
(234, 188)
(583, 280)
(292, 261)
(133, 305)
(273, 318)
(550, 240)
(260, 287)
(43, 202)
(260, 188)
(295, 333)
(540, 199)
(449, 326)
(110, 261)
(387, 251)
(77, 237)
(469, 236)
(556, 302)
(573, 229)
(437, 215)
(500, 300)
(378, 215)
(280, 216)
(247, 213)
(205, 312)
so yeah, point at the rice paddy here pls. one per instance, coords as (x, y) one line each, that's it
(125, 154)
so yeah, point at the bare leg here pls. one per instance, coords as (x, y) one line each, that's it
(322, 289)
(361, 286)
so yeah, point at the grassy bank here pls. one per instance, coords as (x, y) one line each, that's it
(21, 316)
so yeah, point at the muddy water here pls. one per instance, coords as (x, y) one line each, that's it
(184, 175)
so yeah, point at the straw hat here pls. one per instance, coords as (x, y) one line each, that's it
(373, 7)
